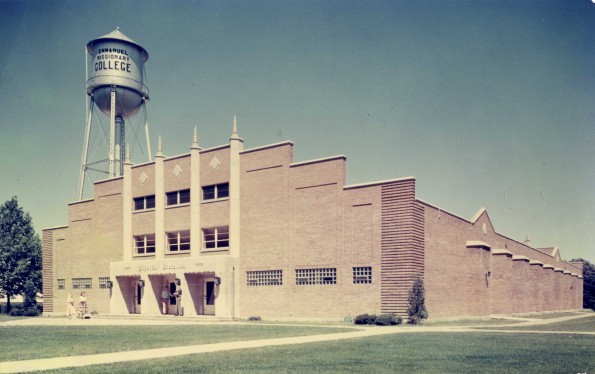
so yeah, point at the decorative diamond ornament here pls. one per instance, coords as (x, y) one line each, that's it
(177, 171)
(143, 177)
(214, 164)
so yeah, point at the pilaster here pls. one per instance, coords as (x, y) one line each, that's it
(195, 199)
(159, 204)
(127, 209)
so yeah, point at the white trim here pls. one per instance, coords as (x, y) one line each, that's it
(331, 158)
(274, 145)
(369, 184)
(520, 258)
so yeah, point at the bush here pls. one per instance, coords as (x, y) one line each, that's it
(19, 309)
(365, 319)
(382, 320)
(417, 302)
(388, 320)
(254, 318)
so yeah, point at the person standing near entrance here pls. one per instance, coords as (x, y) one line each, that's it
(178, 296)
(165, 299)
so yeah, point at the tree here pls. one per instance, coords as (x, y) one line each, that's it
(417, 302)
(588, 283)
(20, 253)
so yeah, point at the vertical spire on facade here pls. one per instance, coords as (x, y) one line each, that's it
(159, 148)
(127, 154)
(195, 140)
(234, 134)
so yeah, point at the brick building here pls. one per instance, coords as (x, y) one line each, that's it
(251, 232)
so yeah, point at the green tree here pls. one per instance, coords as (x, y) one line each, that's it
(417, 302)
(588, 283)
(20, 253)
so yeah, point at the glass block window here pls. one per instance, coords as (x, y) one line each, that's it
(362, 275)
(144, 202)
(177, 197)
(265, 278)
(103, 282)
(216, 191)
(178, 241)
(82, 283)
(61, 284)
(316, 276)
(144, 244)
(216, 237)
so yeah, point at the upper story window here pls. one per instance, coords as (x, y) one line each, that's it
(265, 278)
(144, 244)
(362, 275)
(144, 202)
(178, 241)
(78, 283)
(103, 282)
(216, 191)
(216, 237)
(316, 276)
(61, 284)
(177, 197)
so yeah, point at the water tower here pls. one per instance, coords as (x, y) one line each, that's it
(115, 86)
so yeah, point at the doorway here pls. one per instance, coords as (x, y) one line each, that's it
(209, 297)
(138, 296)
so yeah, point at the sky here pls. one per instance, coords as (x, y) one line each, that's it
(486, 103)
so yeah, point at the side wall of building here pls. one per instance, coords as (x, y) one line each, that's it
(471, 270)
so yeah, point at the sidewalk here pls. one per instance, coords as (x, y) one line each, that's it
(104, 358)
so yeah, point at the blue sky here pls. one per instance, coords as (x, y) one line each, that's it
(487, 103)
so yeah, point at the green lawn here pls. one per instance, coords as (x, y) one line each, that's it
(580, 324)
(474, 352)
(32, 342)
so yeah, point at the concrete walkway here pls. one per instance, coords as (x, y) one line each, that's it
(104, 358)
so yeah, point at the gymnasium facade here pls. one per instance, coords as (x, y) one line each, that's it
(250, 232)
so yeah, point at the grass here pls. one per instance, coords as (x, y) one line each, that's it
(551, 315)
(471, 322)
(33, 342)
(5, 318)
(474, 352)
(585, 324)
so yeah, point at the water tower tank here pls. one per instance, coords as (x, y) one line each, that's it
(117, 62)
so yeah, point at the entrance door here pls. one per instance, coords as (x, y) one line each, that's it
(209, 304)
(172, 299)
(138, 293)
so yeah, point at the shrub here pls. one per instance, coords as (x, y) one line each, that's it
(254, 318)
(31, 312)
(388, 320)
(365, 319)
(417, 302)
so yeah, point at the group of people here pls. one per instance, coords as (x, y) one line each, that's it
(81, 310)
(177, 294)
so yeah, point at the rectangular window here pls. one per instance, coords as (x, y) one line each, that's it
(316, 276)
(82, 283)
(216, 191)
(103, 282)
(144, 244)
(265, 278)
(144, 202)
(61, 284)
(362, 275)
(178, 241)
(177, 197)
(216, 237)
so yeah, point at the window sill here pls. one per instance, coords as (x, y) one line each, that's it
(177, 206)
(137, 255)
(220, 249)
(214, 200)
(143, 210)
(175, 253)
